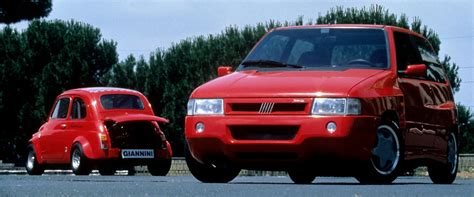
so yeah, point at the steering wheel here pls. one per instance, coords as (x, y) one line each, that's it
(360, 61)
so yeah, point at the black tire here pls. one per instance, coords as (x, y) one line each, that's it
(80, 165)
(107, 170)
(301, 176)
(385, 164)
(159, 167)
(208, 173)
(32, 166)
(446, 173)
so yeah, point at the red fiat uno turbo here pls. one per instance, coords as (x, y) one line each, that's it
(367, 101)
(104, 128)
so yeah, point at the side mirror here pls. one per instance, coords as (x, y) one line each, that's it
(415, 70)
(223, 70)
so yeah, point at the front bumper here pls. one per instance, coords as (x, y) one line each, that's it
(352, 140)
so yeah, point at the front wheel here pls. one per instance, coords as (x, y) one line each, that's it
(384, 165)
(79, 162)
(159, 167)
(209, 173)
(32, 165)
(446, 173)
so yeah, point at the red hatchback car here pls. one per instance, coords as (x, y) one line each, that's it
(104, 128)
(367, 101)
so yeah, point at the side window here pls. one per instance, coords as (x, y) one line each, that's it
(407, 53)
(434, 71)
(78, 109)
(61, 108)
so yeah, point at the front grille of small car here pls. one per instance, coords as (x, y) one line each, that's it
(263, 132)
(134, 135)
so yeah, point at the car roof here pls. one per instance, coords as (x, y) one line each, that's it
(349, 26)
(100, 90)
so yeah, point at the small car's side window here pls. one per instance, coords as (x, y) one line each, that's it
(407, 53)
(78, 109)
(61, 109)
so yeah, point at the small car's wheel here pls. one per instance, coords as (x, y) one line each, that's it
(107, 170)
(384, 165)
(209, 173)
(301, 176)
(79, 162)
(446, 173)
(159, 167)
(32, 166)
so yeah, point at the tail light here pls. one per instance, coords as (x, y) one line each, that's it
(104, 141)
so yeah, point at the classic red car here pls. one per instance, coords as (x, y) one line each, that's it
(100, 128)
(367, 101)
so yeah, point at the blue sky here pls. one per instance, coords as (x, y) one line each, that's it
(141, 26)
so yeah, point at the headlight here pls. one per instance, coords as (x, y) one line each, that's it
(336, 106)
(205, 107)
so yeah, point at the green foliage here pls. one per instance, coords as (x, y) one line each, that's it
(466, 126)
(452, 72)
(12, 11)
(40, 63)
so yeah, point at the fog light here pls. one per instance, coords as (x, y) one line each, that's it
(331, 127)
(199, 127)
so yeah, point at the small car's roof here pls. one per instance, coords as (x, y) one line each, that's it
(100, 90)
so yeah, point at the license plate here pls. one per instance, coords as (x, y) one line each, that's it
(138, 154)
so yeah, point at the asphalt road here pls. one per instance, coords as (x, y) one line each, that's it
(68, 185)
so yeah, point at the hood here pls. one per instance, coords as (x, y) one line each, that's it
(136, 117)
(248, 84)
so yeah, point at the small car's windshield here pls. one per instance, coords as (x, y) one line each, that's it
(121, 101)
(320, 48)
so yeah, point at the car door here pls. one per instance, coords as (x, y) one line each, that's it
(75, 126)
(417, 93)
(51, 134)
(443, 112)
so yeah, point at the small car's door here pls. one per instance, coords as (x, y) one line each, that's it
(418, 100)
(76, 126)
(50, 136)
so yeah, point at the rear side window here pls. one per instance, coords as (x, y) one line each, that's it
(78, 109)
(121, 101)
(61, 108)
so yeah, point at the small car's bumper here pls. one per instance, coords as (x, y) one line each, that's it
(115, 154)
(352, 140)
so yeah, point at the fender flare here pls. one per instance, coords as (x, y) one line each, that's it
(85, 145)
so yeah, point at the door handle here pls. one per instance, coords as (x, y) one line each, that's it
(63, 126)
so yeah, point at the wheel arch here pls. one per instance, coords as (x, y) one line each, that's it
(84, 144)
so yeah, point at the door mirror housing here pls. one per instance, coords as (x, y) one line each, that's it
(415, 70)
(223, 70)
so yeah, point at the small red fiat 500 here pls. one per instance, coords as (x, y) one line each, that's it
(367, 101)
(103, 128)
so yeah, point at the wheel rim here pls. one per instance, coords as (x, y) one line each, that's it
(386, 153)
(452, 153)
(76, 159)
(31, 160)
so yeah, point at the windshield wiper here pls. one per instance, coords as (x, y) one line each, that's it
(269, 63)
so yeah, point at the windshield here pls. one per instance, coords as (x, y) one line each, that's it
(320, 48)
(121, 101)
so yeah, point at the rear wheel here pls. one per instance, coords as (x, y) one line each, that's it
(159, 167)
(209, 173)
(446, 173)
(384, 165)
(79, 162)
(107, 170)
(32, 165)
(301, 176)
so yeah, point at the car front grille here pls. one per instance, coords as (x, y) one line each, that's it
(263, 132)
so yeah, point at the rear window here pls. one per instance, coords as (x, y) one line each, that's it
(121, 101)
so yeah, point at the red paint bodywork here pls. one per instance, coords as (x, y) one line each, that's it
(55, 138)
(424, 110)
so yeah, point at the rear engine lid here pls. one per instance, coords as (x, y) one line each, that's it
(136, 117)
